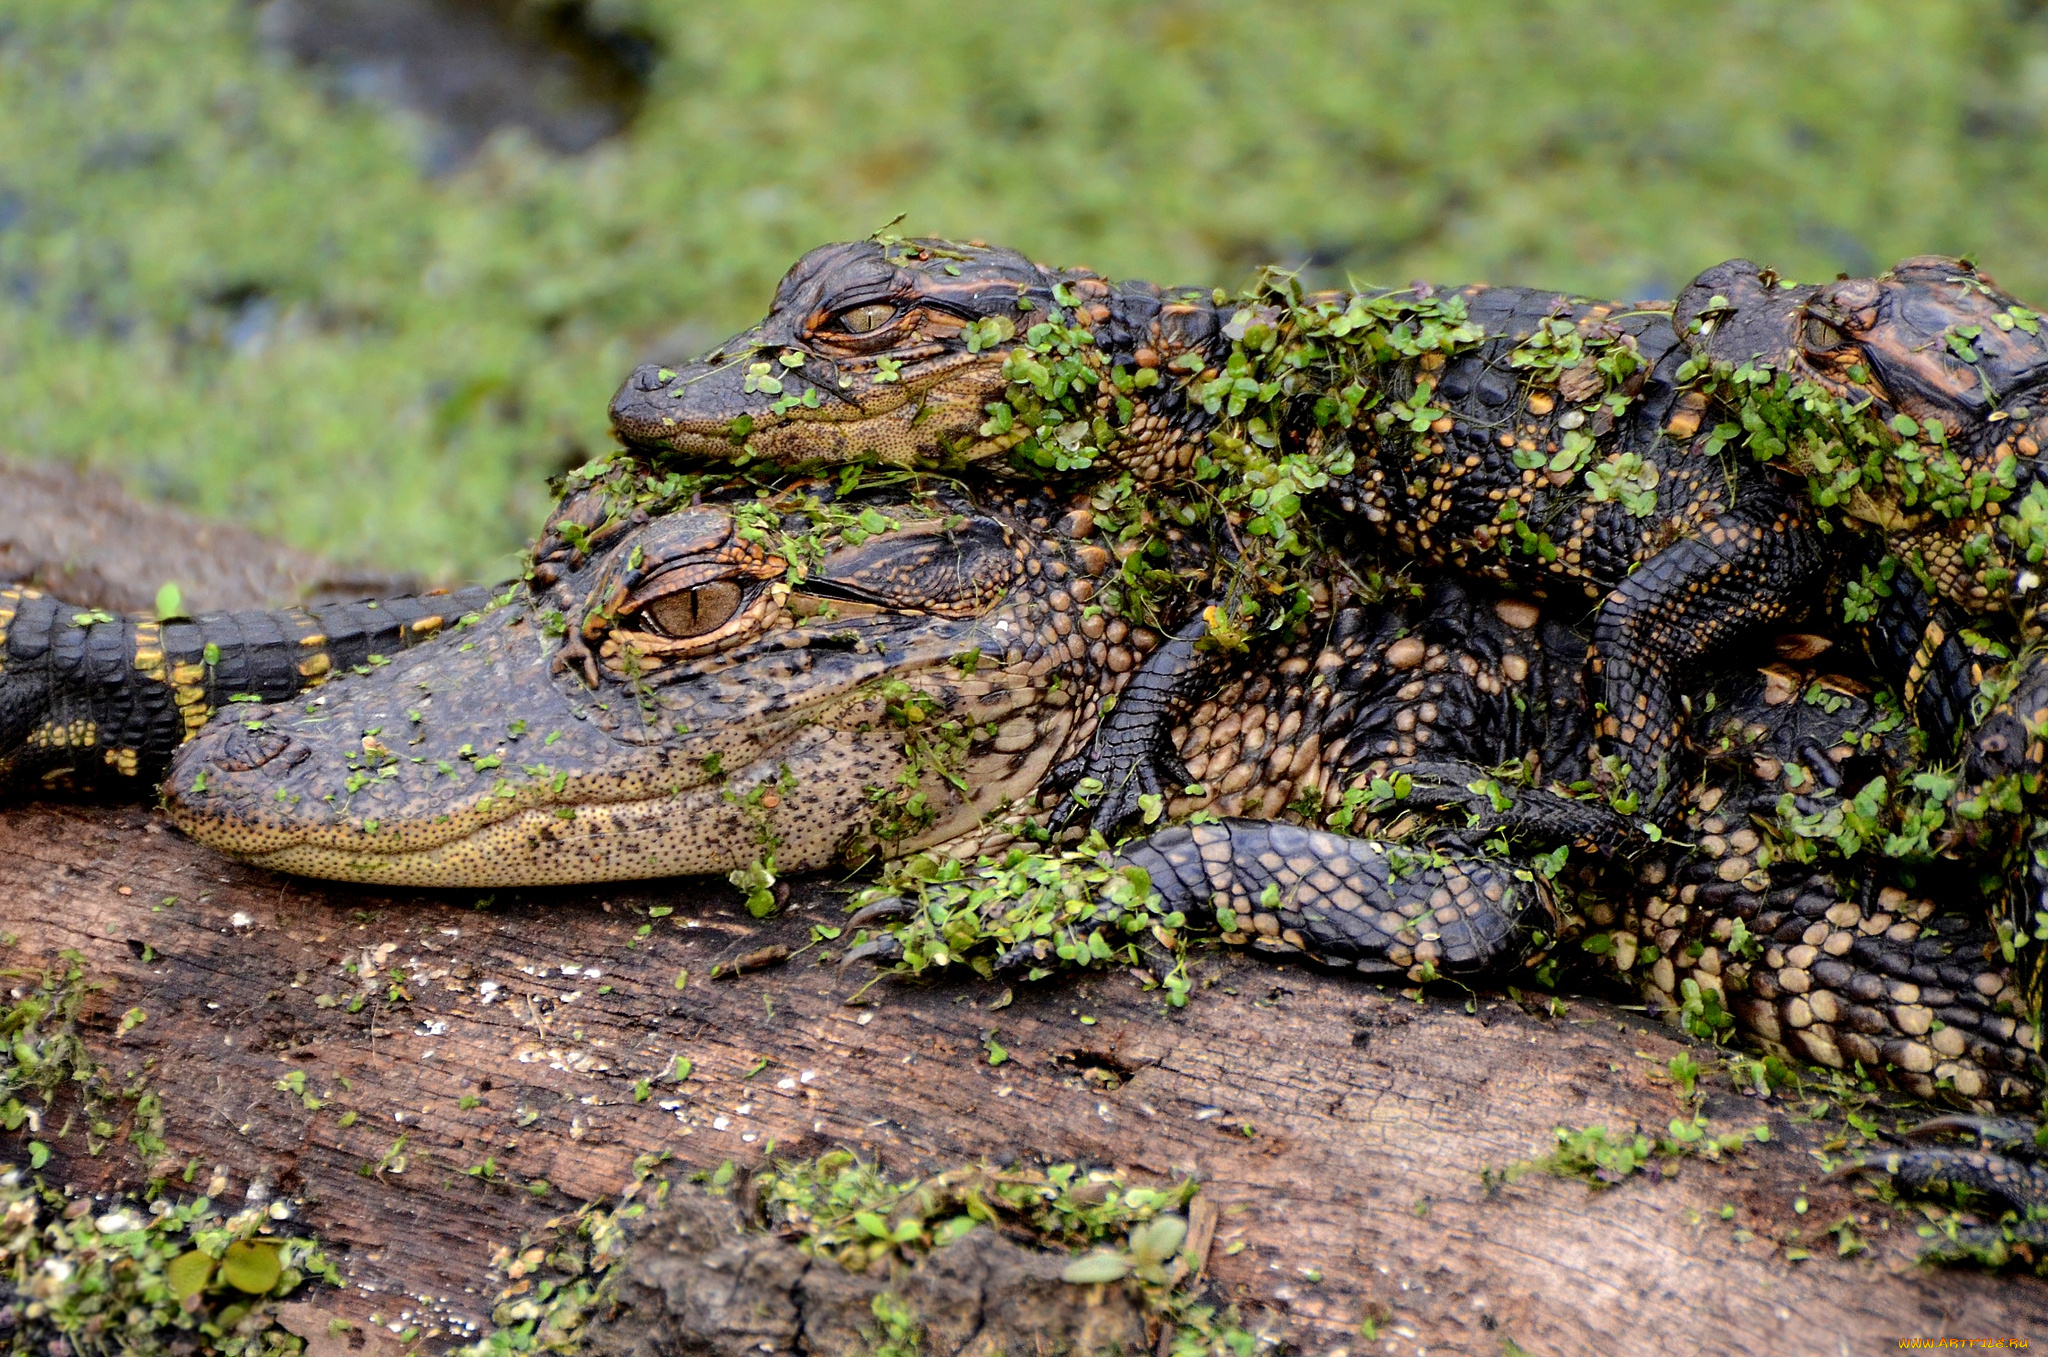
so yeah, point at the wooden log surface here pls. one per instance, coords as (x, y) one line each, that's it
(86, 540)
(1340, 1129)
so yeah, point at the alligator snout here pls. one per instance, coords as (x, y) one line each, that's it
(650, 377)
(689, 407)
(646, 406)
(243, 748)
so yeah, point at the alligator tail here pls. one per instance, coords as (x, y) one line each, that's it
(90, 698)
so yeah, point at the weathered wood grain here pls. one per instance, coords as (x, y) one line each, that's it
(86, 540)
(1341, 1129)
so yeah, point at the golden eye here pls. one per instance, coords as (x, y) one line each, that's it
(694, 612)
(1819, 336)
(862, 319)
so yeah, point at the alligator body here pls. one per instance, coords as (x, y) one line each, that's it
(798, 676)
(1534, 437)
(1528, 436)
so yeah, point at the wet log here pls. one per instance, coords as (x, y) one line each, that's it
(1340, 1129)
(84, 539)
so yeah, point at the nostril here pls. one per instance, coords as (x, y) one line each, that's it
(245, 749)
(652, 378)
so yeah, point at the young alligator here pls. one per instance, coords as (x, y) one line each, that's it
(1525, 435)
(802, 676)
(825, 690)
(1916, 402)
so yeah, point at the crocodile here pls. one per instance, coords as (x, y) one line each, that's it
(1552, 442)
(789, 676)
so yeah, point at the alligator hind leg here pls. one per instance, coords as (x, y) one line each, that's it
(1387, 910)
(1748, 568)
(1382, 908)
(2005, 1166)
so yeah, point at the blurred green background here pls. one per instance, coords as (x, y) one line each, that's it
(285, 286)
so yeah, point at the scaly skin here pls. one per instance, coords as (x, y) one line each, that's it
(1952, 373)
(1845, 961)
(87, 698)
(888, 344)
(1934, 341)
(904, 689)
(733, 716)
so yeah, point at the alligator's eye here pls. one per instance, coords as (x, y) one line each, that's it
(861, 319)
(693, 612)
(1820, 337)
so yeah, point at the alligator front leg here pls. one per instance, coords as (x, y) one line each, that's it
(1132, 753)
(1750, 567)
(2005, 764)
(1916, 640)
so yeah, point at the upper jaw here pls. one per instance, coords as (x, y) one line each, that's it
(1756, 318)
(649, 408)
(706, 410)
(405, 758)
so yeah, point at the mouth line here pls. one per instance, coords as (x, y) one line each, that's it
(714, 434)
(649, 430)
(630, 839)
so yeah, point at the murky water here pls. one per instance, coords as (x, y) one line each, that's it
(469, 67)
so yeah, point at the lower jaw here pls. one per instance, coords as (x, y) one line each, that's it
(691, 834)
(437, 869)
(688, 441)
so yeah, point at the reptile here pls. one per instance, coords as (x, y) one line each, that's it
(1513, 433)
(787, 676)
(1550, 441)
(89, 698)
(795, 675)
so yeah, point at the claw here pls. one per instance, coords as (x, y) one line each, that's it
(2010, 1136)
(1984, 1128)
(1132, 752)
(884, 948)
(888, 907)
(1850, 1170)
(1019, 958)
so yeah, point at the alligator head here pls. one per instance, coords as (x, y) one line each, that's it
(897, 351)
(689, 686)
(1933, 338)
(1934, 341)
(703, 674)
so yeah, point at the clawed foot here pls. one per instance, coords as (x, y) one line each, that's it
(2004, 1164)
(882, 948)
(1127, 771)
(1132, 755)
(1533, 812)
